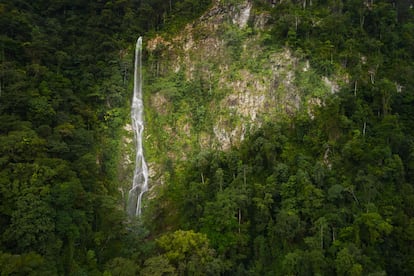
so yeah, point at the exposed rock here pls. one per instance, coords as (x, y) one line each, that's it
(160, 103)
(334, 87)
(259, 88)
(261, 20)
(155, 43)
(128, 127)
(243, 15)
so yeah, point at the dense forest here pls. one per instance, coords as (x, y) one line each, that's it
(328, 193)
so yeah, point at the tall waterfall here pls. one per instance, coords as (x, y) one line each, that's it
(140, 180)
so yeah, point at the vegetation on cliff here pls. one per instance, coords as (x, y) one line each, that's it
(279, 134)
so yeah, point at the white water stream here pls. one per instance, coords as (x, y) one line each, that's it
(140, 180)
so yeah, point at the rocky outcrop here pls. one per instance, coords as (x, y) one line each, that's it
(256, 83)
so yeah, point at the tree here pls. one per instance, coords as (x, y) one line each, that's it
(26, 264)
(121, 267)
(346, 262)
(188, 252)
(158, 266)
(32, 226)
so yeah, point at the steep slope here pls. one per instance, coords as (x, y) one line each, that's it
(217, 80)
(281, 132)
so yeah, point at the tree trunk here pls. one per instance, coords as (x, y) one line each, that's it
(239, 219)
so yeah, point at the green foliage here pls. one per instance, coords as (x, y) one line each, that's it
(26, 264)
(302, 218)
(328, 190)
(63, 89)
(189, 253)
(158, 265)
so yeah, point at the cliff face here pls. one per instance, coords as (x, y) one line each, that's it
(217, 80)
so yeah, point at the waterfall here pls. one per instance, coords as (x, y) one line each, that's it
(140, 180)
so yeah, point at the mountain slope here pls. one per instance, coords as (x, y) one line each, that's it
(216, 81)
(281, 136)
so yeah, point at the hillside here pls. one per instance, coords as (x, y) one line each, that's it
(284, 137)
(216, 81)
(278, 136)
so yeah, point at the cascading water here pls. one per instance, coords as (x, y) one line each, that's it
(140, 180)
